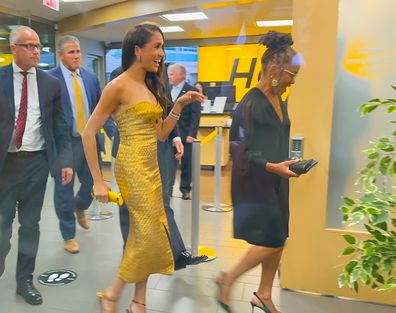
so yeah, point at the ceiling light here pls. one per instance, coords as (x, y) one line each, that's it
(2, 38)
(171, 29)
(43, 64)
(274, 23)
(192, 16)
(46, 49)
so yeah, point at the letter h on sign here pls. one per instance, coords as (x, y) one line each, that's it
(248, 75)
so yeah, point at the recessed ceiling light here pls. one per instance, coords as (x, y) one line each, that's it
(192, 16)
(171, 29)
(274, 23)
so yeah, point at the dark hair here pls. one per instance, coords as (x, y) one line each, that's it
(203, 87)
(139, 36)
(278, 49)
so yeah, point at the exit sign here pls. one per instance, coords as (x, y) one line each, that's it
(52, 4)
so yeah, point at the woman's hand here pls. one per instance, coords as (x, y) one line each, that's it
(101, 191)
(282, 168)
(189, 97)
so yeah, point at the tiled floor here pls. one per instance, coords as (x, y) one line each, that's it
(187, 291)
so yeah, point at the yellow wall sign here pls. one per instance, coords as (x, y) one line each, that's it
(5, 59)
(237, 65)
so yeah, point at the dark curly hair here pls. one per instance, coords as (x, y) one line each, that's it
(139, 36)
(279, 49)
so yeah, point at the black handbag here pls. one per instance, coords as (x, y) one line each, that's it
(303, 166)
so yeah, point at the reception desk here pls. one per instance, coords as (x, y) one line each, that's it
(208, 123)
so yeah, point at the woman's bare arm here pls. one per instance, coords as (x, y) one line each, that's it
(165, 126)
(108, 103)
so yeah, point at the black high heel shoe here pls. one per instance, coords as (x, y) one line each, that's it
(219, 285)
(264, 308)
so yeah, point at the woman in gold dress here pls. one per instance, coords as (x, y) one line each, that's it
(137, 99)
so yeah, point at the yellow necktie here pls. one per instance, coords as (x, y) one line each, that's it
(81, 117)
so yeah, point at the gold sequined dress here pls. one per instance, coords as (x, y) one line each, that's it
(148, 248)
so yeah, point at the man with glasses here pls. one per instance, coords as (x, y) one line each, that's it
(33, 138)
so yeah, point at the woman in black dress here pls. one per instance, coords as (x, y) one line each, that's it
(260, 175)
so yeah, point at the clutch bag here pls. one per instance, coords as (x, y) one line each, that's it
(303, 166)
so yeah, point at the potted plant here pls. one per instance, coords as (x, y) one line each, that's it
(373, 260)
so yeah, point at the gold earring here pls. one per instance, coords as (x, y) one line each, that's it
(139, 58)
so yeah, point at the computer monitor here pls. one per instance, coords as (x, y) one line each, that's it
(221, 91)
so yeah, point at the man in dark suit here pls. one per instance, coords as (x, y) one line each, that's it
(181, 255)
(188, 126)
(80, 93)
(33, 141)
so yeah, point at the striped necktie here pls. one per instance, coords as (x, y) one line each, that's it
(22, 115)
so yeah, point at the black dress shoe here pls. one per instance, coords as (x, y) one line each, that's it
(29, 293)
(186, 258)
(186, 196)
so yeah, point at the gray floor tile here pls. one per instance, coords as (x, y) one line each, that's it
(188, 291)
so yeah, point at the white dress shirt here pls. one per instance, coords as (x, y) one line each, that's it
(33, 138)
(175, 91)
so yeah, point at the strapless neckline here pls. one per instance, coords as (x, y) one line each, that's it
(137, 104)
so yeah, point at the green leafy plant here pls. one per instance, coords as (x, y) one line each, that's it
(373, 260)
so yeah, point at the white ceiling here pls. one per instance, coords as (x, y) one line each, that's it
(225, 21)
(36, 8)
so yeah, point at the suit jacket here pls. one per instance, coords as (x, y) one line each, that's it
(55, 131)
(93, 91)
(189, 120)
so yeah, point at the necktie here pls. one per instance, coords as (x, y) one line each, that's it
(21, 121)
(81, 118)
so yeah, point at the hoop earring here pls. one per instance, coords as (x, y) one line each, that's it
(274, 82)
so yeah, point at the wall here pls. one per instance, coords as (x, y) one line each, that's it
(311, 261)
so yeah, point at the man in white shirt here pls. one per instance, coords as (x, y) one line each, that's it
(34, 141)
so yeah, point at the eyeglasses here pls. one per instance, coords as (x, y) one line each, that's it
(29, 46)
(292, 74)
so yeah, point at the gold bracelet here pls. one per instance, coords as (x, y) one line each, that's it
(174, 116)
(175, 113)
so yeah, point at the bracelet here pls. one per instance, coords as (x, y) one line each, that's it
(175, 117)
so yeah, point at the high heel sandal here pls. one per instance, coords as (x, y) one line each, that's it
(103, 296)
(137, 302)
(264, 308)
(220, 285)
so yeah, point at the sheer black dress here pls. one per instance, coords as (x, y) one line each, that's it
(260, 198)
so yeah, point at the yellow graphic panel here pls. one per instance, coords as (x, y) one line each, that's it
(5, 59)
(237, 65)
(356, 60)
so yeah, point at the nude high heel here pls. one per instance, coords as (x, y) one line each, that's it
(103, 296)
(128, 310)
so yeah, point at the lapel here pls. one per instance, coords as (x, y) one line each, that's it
(9, 88)
(66, 104)
(85, 80)
(182, 91)
(42, 88)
